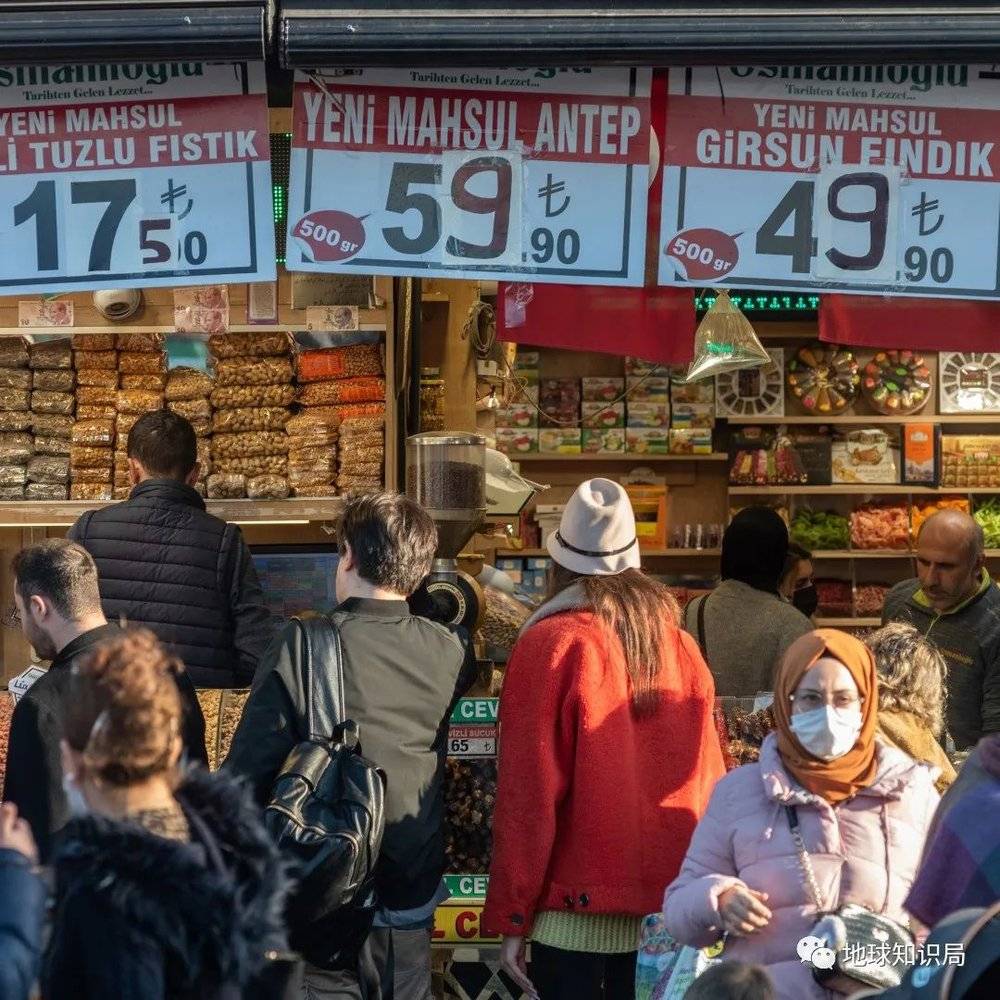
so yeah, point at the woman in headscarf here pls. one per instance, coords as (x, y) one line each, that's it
(745, 626)
(862, 808)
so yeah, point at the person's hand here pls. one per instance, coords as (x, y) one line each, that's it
(512, 962)
(743, 910)
(15, 834)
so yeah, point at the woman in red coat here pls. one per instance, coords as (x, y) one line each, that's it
(608, 756)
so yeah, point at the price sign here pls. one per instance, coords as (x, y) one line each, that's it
(134, 174)
(859, 179)
(456, 173)
(472, 741)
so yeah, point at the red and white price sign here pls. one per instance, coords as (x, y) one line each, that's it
(859, 179)
(457, 173)
(134, 175)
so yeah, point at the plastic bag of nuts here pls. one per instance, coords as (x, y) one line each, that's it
(249, 418)
(124, 422)
(53, 380)
(142, 363)
(13, 475)
(138, 401)
(46, 491)
(86, 457)
(224, 486)
(355, 361)
(313, 488)
(97, 378)
(48, 469)
(371, 415)
(253, 371)
(94, 342)
(96, 395)
(262, 465)
(139, 342)
(192, 409)
(372, 470)
(15, 420)
(267, 488)
(13, 352)
(101, 476)
(233, 396)
(55, 425)
(96, 412)
(321, 457)
(52, 446)
(104, 360)
(15, 399)
(16, 449)
(348, 390)
(51, 354)
(249, 345)
(361, 456)
(15, 378)
(94, 432)
(150, 383)
(53, 402)
(90, 491)
(188, 383)
(249, 444)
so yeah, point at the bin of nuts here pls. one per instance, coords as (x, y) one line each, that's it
(470, 791)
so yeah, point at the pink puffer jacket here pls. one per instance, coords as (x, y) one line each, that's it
(863, 851)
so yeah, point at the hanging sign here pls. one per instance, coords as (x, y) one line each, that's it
(472, 173)
(133, 175)
(859, 179)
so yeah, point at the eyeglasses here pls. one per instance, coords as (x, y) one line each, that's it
(810, 700)
(12, 617)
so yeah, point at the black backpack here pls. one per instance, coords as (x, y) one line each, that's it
(327, 814)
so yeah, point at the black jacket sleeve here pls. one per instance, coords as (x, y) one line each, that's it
(34, 772)
(252, 624)
(271, 725)
(22, 913)
(991, 693)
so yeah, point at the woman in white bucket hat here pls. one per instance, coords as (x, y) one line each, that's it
(608, 756)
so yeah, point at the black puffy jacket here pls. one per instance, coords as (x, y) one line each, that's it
(165, 563)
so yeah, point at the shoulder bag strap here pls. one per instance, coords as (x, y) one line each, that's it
(702, 644)
(326, 706)
(807, 869)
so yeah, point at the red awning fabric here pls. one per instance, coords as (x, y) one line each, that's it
(652, 323)
(910, 323)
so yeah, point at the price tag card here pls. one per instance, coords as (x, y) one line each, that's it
(472, 741)
(505, 174)
(858, 179)
(134, 174)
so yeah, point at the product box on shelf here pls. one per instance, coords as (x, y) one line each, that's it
(648, 390)
(649, 502)
(867, 455)
(548, 516)
(760, 456)
(521, 414)
(536, 576)
(970, 461)
(610, 441)
(692, 415)
(647, 440)
(559, 440)
(692, 392)
(815, 455)
(597, 416)
(648, 415)
(514, 568)
(516, 441)
(921, 454)
(636, 367)
(602, 390)
(526, 367)
(559, 398)
(690, 440)
(753, 392)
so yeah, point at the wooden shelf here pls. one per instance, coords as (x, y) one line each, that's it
(57, 514)
(646, 553)
(716, 456)
(860, 489)
(874, 418)
(848, 622)
(863, 554)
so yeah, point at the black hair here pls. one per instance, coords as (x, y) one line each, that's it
(754, 548)
(164, 443)
(61, 571)
(732, 981)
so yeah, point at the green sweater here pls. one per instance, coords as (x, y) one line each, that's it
(968, 637)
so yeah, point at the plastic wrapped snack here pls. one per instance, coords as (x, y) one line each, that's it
(15, 378)
(267, 488)
(86, 457)
(249, 444)
(15, 420)
(91, 491)
(202, 428)
(13, 352)
(249, 345)
(254, 418)
(364, 439)
(120, 480)
(373, 469)
(124, 422)
(96, 412)
(53, 380)
(188, 383)
(52, 446)
(97, 378)
(124, 492)
(94, 395)
(313, 488)
(46, 491)
(53, 402)
(372, 455)
(104, 360)
(94, 342)
(16, 448)
(15, 399)
(321, 457)
(101, 476)
(226, 486)
(372, 413)
(139, 342)
(261, 465)
(139, 363)
(192, 409)
(95, 432)
(55, 425)
(51, 354)
(151, 383)
(348, 482)
(48, 469)
(356, 361)
(13, 475)
(255, 371)
(348, 390)
(306, 425)
(233, 396)
(12, 492)
(139, 401)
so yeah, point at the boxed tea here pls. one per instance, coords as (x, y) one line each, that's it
(600, 415)
(921, 454)
(636, 367)
(517, 415)
(602, 390)
(692, 415)
(648, 390)
(559, 441)
(690, 441)
(648, 415)
(647, 440)
(516, 441)
(603, 442)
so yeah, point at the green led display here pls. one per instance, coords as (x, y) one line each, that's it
(762, 302)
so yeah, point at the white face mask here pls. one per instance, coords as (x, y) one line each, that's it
(828, 733)
(74, 798)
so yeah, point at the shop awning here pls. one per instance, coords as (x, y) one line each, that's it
(81, 31)
(332, 33)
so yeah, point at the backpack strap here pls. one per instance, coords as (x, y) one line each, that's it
(326, 707)
(702, 644)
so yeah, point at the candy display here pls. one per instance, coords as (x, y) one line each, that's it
(987, 515)
(816, 530)
(753, 392)
(836, 598)
(880, 526)
(896, 382)
(969, 382)
(825, 380)
(758, 458)
(970, 461)
(869, 599)
(923, 509)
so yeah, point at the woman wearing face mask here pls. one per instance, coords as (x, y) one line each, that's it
(743, 875)
(797, 586)
(167, 888)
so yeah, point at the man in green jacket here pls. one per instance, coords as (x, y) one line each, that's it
(955, 604)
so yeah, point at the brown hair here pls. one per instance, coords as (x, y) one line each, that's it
(123, 712)
(62, 571)
(732, 981)
(164, 443)
(641, 612)
(911, 674)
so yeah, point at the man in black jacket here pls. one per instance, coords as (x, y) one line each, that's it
(402, 676)
(59, 607)
(167, 564)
